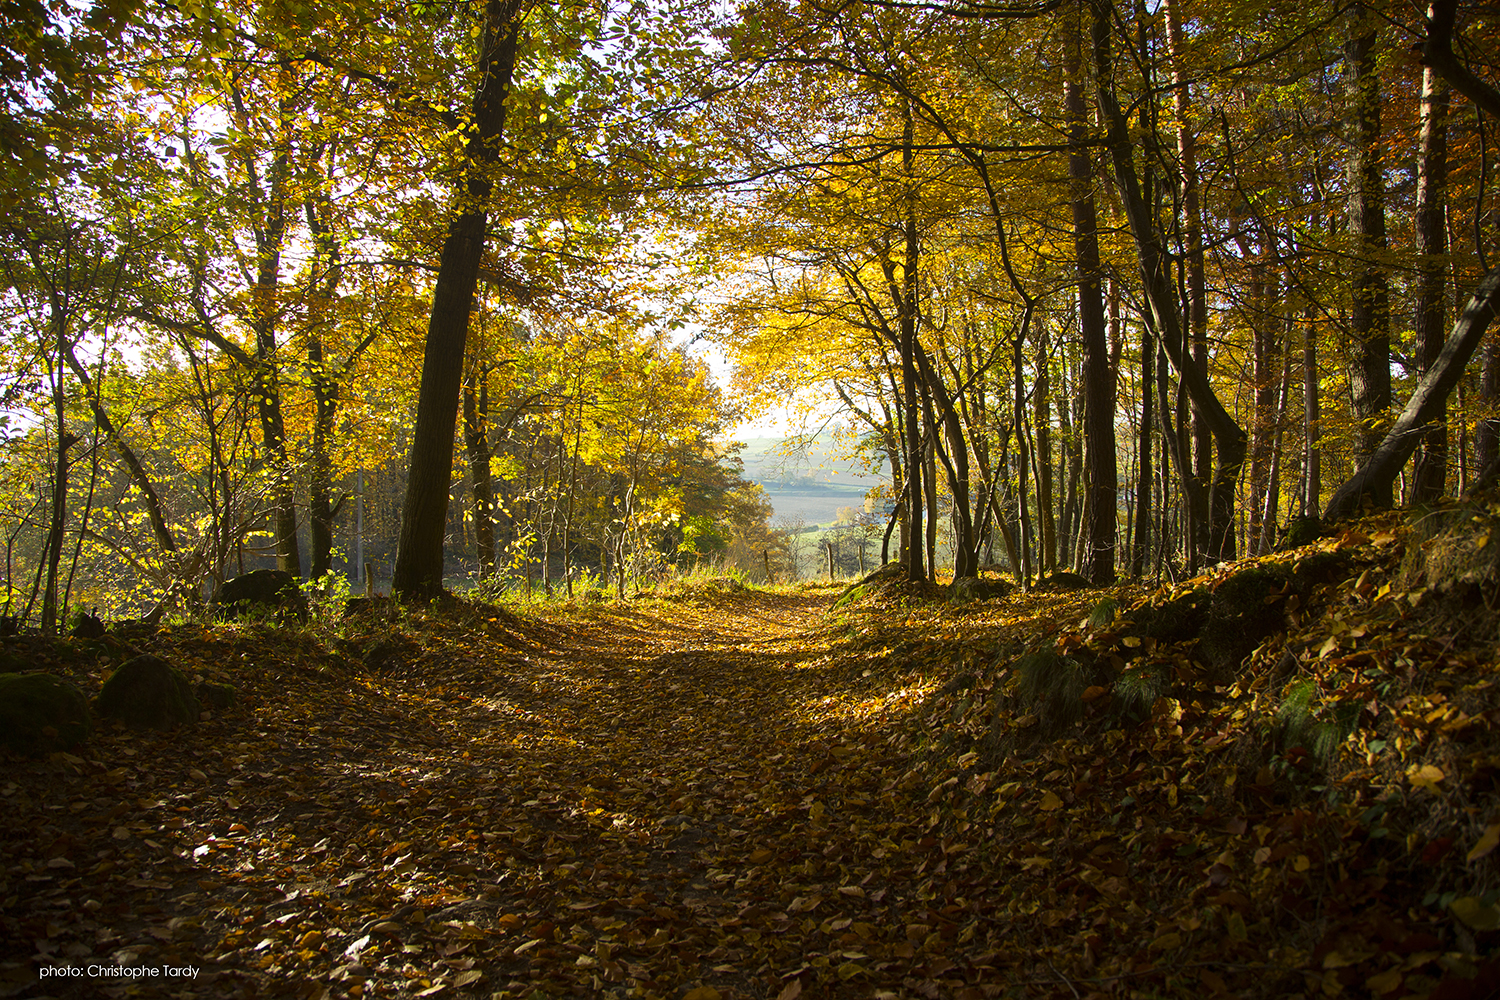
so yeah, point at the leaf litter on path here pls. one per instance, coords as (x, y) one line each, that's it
(735, 796)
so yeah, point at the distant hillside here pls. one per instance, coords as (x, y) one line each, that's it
(811, 486)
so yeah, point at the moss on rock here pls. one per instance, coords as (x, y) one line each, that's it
(40, 713)
(147, 692)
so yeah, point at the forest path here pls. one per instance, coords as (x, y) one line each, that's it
(700, 798)
(704, 747)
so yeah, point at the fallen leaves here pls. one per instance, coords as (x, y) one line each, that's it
(743, 799)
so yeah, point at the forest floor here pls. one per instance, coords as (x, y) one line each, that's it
(752, 794)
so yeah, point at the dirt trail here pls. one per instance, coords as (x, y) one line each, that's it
(665, 800)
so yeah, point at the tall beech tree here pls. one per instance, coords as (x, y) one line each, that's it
(424, 511)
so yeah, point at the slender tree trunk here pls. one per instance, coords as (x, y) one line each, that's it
(1265, 376)
(1267, 539)
(1229, 437)
(1430, 474)
(1197, 296)
(1041, 408)
(58, 508)
(1018, 421)
(911, 553)
(320, 479)
(1066, 404)
(1487, 436)
(1141, 544)
(1369, 357)
(1312, 491)
(424, 510)
(477, 445)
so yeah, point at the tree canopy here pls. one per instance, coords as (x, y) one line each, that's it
(1113, 289)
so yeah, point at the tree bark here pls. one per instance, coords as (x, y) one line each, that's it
(1100, 499)
(1369, 349)
(1377, 475)
(1041, 409)
(320, 475)
(424, 510)
(477, 446)
(1141, 544)
(1161, 298)
(1430, 472)
(1312, 488)
(265, 320)
(1197, 304)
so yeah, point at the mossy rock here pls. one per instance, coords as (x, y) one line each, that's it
(88, 626)
(263, 592)
(1318, 568)
(1063, 580)
(973, 588)
(13, 663)
(216, 696)
(147, 692)
(1177, 620)
(1246, 608)
(1302, 531)
(870, 583)
(41, 713)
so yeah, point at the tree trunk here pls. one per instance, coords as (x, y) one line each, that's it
(424, 510)
(1197, 304)
(477, 448)
(1487, 436)
(911, 552)
(1312, 489)
(1041, 409)
(58, 509)
(1141, 544)
(265, 318)
(1377, 475)
(320, 480)
(1099, 516)
(1430, 473)
(1265, 376)
(1369, 349)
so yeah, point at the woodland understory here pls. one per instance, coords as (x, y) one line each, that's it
(1191, 299)
(770, 793)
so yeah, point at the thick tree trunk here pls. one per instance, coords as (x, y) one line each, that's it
(1099, 515)
(1377, 475)
(1369, 348)
(424, 510)
(1430, 472)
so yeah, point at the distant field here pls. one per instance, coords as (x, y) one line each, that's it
(812, 488)
(819, 505)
